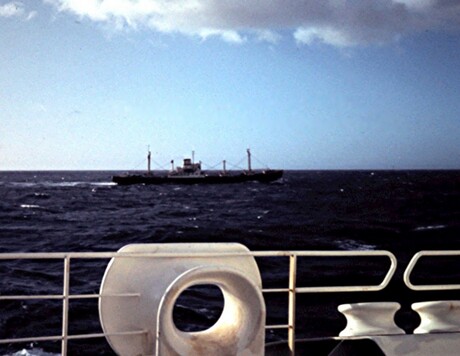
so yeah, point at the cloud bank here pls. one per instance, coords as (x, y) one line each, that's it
(341, 23)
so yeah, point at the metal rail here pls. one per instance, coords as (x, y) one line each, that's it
(426, 287)
(292, 290)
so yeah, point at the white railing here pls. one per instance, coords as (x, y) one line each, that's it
(292, 289)
(426, 287)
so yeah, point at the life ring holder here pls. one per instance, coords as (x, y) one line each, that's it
(149, 279)
(240, 328)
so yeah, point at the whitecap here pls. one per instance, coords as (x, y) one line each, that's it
(32, 352)
(63, 184)
(30, 206)
(23, 184)
(351, 245)
(430, 227)
(103, 184)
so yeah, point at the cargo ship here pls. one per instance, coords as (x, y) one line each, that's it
(191, 173)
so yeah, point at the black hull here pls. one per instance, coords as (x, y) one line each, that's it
(263, 177)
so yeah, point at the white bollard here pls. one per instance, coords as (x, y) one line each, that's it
(365, 319)
(438, 316)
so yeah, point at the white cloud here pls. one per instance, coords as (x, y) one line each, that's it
(16, 9)
(342, 23)
(328, 35)
(227, 35)
(417, 4)
(11, 9)
(31, 15)
(268, 36)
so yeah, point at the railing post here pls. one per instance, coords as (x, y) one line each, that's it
(65, 305)
(292, 295)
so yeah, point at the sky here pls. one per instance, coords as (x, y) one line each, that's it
(331, 84)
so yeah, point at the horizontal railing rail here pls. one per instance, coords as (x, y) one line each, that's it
(292, 290)
(428, 287)
(70, 337)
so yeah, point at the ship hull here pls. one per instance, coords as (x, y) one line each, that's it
(263, 177)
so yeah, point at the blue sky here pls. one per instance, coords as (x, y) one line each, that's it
(305, 84)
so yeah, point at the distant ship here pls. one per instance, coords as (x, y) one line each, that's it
(191, 173)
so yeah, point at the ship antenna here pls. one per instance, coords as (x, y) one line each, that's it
(225, 168)
(249, 160)
(193, 157)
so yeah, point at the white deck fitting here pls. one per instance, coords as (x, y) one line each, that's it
(376, 318)
(159, 281)
(438, 316)
(240, 329)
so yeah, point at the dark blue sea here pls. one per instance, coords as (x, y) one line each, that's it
(399, 211)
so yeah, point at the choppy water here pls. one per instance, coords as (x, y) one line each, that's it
(400, 211)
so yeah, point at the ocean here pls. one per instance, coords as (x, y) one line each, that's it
(400, 211)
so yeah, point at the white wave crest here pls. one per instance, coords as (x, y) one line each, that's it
(355, 245)
(430, 227)
(32, 352)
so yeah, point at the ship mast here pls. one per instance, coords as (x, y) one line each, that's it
(249, 160)
(148, 161)
(225, 168)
